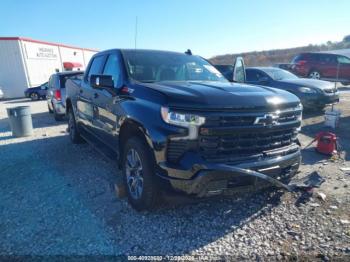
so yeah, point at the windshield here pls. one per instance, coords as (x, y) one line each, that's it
(155, 66)
(279, 74)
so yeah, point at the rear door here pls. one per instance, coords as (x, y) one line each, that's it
(85, 108)
(52, 87)
(328, 65)
(106, 104)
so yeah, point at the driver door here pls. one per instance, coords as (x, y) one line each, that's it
(239, 70)
(106, 104)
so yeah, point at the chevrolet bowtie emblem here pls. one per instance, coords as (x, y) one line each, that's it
(267, 120)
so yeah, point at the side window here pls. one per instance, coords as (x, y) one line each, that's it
(328, 59)
(343, 60)
(96, 66)
(112, 68)
(253, 75)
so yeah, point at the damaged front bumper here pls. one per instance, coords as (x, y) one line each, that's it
(194, 176)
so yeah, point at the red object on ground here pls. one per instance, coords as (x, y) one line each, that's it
(326, 143)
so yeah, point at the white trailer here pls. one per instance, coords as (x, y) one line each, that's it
(27, 63)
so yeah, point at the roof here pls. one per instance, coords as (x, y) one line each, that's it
(140, 50)
(44, 42)
(344, 52)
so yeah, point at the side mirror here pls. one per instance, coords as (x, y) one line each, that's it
(263, 80)
(239, 71)
(102, 81)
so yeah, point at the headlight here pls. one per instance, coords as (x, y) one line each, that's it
(192, 122)
(307, 90)
(181, 119)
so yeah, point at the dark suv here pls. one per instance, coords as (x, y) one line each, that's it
(322, 66)
(176, 124)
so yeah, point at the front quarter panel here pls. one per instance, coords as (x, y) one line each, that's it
(144, 109)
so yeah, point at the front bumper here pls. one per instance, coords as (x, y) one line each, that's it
(59, 107)
(319, 100)
(194, 177)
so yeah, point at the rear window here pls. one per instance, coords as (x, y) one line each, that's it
(64, 78)
(298, 58)
(96, 66)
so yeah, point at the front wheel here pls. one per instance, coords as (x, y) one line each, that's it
(315, 74)
(50, 110)
(138, 174)
(34, 96)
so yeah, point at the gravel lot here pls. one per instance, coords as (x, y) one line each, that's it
(58, 199)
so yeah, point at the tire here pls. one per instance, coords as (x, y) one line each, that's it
(315, 74)
(50, 110)
(74, 133)
(34, 96)
(138, 174)
(345, 83)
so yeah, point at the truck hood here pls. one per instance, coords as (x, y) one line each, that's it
(223, 95)
(305, 82)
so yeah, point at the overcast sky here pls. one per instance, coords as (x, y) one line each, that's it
(208, 27)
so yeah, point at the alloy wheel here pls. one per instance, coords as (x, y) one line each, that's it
(34, 96)
(134, 175)
(315, 75)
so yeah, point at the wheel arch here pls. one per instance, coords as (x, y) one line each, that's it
(132, 128)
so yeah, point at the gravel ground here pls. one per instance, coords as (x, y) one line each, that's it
(58, 199)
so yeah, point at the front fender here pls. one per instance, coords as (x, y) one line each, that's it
(146, 115)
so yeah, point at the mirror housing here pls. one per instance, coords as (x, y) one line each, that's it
(102, 82)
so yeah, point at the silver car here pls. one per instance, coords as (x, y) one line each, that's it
(1, 94)
(56, 93)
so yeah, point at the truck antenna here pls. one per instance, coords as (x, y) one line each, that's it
(188, 52)
(135, 32)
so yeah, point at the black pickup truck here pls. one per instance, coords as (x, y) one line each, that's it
(175, 124)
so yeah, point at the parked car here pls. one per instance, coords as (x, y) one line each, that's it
(1, 94)
(325, 66)
(226, 71)
(176, 124)
(313, 93)
(284, 66)
(56, 93)
(36, 93)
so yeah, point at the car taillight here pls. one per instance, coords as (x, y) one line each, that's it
(301, 62)
(57, 94)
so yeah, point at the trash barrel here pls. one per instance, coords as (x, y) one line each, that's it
(20, 121)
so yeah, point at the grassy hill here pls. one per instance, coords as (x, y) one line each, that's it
(270, 57)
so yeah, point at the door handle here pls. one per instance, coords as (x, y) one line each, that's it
(95, 95)
(80, 91)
